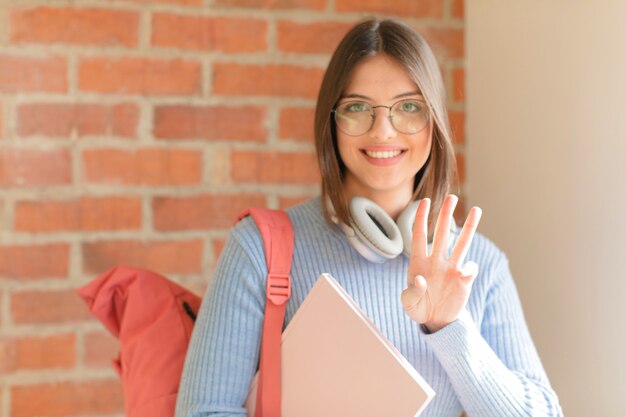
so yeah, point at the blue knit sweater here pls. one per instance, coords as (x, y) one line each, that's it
(484, 363)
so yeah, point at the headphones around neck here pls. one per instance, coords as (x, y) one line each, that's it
(374, 234)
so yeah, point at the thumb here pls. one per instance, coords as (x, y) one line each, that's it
(420, 283)
(413, 300)
(469, 271)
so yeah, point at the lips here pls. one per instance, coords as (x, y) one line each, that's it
(383, 155)
(383, 152)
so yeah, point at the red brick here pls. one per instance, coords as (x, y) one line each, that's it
(34, 261)
(59, 120)
(458, 84)
(266, 80)
(457, 124)
(210, 122)
(296, 123)
(143, 166)
(460, 166)
(275, 167)
(100, 349)
(33, 167)
(310, 37)
(79, 26)
(405, 8)
(86, 214)
(30, 353)
(124, 120)
(62, 119)
(274, 4)
(286, 202)
(223, 34)
(446, 43)
(47, 307)
(69, 398)
(29, 74)
(181, 257)
(202, 211)
(218, 247)
(458, 9)
(130, 75)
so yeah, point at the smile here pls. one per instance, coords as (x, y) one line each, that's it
(388, 153)
(383, 154)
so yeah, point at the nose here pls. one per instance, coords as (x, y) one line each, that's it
(382, 129)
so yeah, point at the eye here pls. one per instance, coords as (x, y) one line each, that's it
(411, 106)
(356, 107)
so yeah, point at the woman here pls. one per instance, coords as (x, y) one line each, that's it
(382, 134)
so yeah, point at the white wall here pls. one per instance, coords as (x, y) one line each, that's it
(546, 106)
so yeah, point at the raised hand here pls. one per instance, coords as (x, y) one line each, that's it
(438, 286)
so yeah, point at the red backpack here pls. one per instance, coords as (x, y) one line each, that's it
(153, 319)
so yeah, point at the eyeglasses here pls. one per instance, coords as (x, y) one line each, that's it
(355, 118)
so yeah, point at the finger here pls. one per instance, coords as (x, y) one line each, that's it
(420, 229)
(415, 300)
(469, 271)
(442, 229)
(465, 237)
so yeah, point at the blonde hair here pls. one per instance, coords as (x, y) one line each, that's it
(400, 42)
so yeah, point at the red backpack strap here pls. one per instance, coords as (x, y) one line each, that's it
(278, 240)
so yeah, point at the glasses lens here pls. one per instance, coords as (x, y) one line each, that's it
(354, 118)
(409, 116)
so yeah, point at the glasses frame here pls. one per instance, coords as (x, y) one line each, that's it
(373, 115)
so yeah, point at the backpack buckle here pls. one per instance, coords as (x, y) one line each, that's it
(278, 288)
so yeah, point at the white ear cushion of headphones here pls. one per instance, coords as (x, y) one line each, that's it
(405, 224)
(387, 243)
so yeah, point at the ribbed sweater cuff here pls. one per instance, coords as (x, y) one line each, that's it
(480, 379)
(449, 336)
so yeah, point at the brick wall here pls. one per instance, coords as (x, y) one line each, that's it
(133, 132)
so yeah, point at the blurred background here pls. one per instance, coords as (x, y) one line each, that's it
(546, 157)
(134, 131)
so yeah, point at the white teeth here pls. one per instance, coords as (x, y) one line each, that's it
(383, 154)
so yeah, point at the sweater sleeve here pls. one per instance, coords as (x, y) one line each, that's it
(496, 370)
(224, 350)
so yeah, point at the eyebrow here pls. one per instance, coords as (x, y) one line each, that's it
(361, 96)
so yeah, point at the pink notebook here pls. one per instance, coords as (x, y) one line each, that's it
(336, 363)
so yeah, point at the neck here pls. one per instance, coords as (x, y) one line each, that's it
(392, 201)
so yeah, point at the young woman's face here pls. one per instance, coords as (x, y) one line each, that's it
(382, 162)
